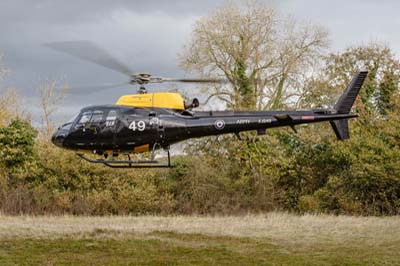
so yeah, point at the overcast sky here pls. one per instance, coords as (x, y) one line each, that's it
(147, 35)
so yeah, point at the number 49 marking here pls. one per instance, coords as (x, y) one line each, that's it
(137, 125)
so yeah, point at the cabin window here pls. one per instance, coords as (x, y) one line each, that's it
(85, 118)
(97, 117)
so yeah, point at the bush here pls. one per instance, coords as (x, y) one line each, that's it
(308, 172)
(17, 143)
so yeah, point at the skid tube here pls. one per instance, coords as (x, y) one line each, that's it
(152, 163)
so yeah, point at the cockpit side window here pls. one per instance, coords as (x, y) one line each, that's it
(67, 125)
(85, 118)
(97, 117)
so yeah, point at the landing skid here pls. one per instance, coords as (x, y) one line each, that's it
(152, 163)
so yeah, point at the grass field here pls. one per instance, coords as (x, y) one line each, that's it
(269, 239)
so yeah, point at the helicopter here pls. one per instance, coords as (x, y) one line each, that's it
(147, 122)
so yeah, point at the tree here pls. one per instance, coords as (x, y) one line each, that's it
(51, 94)
(3, 70)
(263, 55)
(10, 101)
(380, 86)
(360, 175)
(17, 143)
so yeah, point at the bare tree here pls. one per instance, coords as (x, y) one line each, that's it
(10, 101)
(3, 70)
(51, 95)
(11, 107)
(381, 86)
(262, 54)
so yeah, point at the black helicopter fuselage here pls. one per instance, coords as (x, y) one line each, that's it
(149, 121)
(111, 130)
(120, 129)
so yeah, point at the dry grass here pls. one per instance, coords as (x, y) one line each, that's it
(265, 239)
(277, 227)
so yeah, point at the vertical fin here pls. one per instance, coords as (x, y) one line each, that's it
(346, 100)
(344, 104)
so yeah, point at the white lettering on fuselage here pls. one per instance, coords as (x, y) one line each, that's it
(137, 125)
(110, 123)
(155, 121)
(264, 121)
(242, 121)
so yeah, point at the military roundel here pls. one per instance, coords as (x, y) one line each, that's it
(219, 124)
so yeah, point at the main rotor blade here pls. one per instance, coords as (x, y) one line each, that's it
(195, 80)
(88, 89)
(88, 51)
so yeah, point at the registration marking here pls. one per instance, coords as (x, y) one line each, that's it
(264, 121)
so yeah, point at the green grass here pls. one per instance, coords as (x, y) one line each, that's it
(168, 248)
(263, 239)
